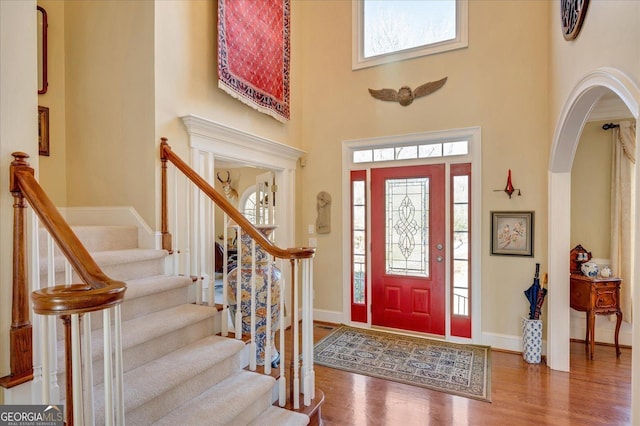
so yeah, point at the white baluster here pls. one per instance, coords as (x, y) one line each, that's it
(119, 367)
(108, 372)
(210, 233)
(224, 326)
(295, 359)
(238, 322)
(51, 348)
(307, 332)
(194, 232)
(174, 220)
(76, 369)
(282, 388)
(87, 371)
(267, 345)
(252, 346)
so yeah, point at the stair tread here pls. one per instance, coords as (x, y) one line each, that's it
(111, 257)
(141, 287)
(152, 379)
(279, 416)
(145, 328)
(222, 403)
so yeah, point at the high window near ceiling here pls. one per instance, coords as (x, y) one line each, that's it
(393, 30)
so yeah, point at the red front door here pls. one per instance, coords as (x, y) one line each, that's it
(407, 248)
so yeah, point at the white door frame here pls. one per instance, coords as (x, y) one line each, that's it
(220, 142)
(474, 136)
(572, 119)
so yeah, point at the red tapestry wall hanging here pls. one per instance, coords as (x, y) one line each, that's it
(254, 53)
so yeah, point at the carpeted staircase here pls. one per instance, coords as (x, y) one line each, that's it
(176, 370)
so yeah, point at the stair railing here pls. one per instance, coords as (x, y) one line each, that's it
(70, 302)
(198, 262)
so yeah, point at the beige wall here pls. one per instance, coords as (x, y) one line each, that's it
(18, 132)
(186, 77)
(609, 37)
(52, 172)
(591, 191)
(111, 149)
(498, 83)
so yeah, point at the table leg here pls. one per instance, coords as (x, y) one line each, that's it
(618, 322)
(592, 333)
(586, 337)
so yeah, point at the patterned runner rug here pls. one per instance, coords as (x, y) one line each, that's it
(453, 368)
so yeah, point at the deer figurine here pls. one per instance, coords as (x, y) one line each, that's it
(229, 192)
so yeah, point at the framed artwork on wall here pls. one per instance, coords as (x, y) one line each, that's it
(512, 233)
(43, 131)
(43, 84)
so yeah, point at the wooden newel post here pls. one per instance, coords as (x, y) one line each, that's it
(166, 236)
(20, 336)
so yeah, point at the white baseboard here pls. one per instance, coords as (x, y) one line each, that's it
(495, 340)
(124, 215)
(327, 316)
(604, 329)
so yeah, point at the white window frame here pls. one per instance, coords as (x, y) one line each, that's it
(474, 156)
(360, 61)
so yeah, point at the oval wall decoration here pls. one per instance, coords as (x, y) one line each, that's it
(572, 13)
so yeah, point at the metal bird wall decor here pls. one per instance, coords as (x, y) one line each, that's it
(404, 96)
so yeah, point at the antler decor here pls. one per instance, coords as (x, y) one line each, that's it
(229, 191)
(405, 95)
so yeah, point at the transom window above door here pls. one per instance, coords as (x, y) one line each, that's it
(393, 30)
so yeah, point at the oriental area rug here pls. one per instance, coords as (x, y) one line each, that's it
(458, 369)
(254, 53)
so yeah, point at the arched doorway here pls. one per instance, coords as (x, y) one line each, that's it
(566, 137)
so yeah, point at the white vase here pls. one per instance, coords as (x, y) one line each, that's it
(589, 269)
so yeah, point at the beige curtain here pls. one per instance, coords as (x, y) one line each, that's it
(623, 211)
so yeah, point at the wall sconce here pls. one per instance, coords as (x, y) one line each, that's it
(509, 189)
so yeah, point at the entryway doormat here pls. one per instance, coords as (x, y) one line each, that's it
(458, 369)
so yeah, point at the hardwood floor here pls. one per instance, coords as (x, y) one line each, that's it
(596, 392)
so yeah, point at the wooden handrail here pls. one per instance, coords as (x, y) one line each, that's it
(98, 291)
(166, 154)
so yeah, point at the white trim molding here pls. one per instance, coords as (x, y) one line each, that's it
(474, 156)
(233, 144)
(575, 113)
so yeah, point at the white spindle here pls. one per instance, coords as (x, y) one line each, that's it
(295, 359)
(268, 344)
(76, 369)
(282, 388)
(108, 372)
(238, 321)
(252, 345)
(87, 371)
(50, 342)
(119, 367)
(305, 349)
(210, 233)
(195, 229)
(188, 228)
(307, 332)
(224, 325)
(46, 384)
(174, 220)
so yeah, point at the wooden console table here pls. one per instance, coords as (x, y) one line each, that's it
(596, 296)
